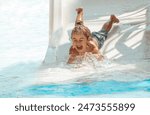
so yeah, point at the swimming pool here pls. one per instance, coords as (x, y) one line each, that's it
(95, 89)
(19, 81)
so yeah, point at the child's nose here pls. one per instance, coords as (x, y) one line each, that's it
(78, 43)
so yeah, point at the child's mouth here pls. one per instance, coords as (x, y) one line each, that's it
(79, 47)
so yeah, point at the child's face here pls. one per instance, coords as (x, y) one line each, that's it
(79, 42)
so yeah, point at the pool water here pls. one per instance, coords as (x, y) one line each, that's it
(19, 81)
(21, 86)
(90, 89)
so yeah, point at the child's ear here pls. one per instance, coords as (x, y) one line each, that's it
(89, 38)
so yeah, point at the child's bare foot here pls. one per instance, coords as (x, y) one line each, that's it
(79, 10)
(114, 19)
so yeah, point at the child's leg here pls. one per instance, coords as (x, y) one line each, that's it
(108, 25)
(101, 36)
(79, 18)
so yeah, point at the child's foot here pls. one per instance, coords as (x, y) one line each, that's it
(79, 10)
(114, 19)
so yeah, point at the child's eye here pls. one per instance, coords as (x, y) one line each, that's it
(75, 40)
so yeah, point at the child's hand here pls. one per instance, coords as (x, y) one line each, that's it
(79, 10)
(99, 57)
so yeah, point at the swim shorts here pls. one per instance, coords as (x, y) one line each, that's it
(100, 37)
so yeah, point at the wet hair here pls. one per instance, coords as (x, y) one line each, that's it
(78, 29)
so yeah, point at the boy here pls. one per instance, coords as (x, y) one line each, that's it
(84, 41)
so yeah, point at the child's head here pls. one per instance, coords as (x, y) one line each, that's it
(80, 36)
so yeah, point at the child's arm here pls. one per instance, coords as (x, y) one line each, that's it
(71, 59)
(96, 52)
(72, 55)
(79, 18)
(99, 56)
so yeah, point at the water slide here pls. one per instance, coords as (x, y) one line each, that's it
(127, 49)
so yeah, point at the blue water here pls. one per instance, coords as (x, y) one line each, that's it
(99, 88)
(89, 89)
(18, 81)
